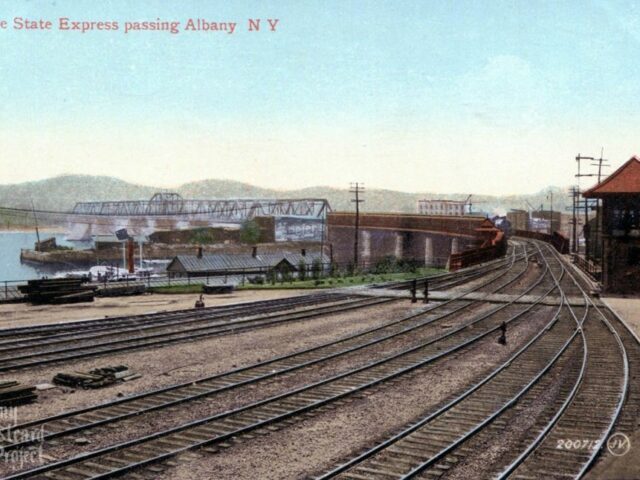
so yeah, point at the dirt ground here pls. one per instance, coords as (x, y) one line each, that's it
(18, 314)
(185, 362)
(312, 446)
(628, 309)
(224, 401)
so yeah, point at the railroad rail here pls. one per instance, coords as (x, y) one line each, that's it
(582, 348)
(135, 405)
(26, 354)
(27, 347)
(283, 406)
(592, 411)
(459, 277)
(433, 438)
(47, 329)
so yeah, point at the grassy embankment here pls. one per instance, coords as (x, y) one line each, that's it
(330, 282)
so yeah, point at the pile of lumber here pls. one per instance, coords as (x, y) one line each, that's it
(118, 289)
(57, 291)
(96, 378)
(46, 245)
(12, 393)
(218, 289)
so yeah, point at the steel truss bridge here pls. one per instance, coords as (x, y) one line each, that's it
(169, 211)
(172, 205)
(231, 210)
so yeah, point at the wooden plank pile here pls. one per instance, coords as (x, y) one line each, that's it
(96, 378)
(218, 289)
(47, 245)
(58, 291)
(118, 289)
(12, 393)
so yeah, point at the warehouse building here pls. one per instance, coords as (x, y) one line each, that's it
(443, 207)
(239, 264)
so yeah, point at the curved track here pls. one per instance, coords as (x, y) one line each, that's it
(380, 370)
(589, 380)
(37, 345)
(570, 381)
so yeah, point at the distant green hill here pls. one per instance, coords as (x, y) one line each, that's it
(61, 193)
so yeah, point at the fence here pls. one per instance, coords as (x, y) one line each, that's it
(9, 288)
(477, 255)
(241, 276)
(559, 241)
(311, 271)
(587, 266)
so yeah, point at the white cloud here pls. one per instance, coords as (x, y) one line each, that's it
(505, 91)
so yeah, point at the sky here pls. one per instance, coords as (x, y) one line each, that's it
(493, 97)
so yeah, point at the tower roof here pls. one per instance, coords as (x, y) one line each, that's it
(624, 181)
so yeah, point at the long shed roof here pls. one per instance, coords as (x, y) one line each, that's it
(221, 262)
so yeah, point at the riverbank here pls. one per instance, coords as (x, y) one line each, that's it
(31, 229)
(13, 242)
(109, 252)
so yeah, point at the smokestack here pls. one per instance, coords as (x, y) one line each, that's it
(303, 252)
(200, 252)
(254, 252)
(130, 264)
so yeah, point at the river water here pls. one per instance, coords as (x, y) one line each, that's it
(10, 266)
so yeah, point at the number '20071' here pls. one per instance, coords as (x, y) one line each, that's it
(584, 444)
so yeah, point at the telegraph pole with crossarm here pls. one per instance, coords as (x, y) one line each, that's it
(357, 189)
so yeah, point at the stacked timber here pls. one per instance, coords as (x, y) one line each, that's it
(218, 289)
(57, 291)
(96, 378)
(47, 245)
(12, 393)
(118, 289)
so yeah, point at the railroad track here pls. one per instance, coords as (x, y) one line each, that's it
(124, 457)
(121, 458)
(36, 354)
(225, 311)
(178, 394)
(628, 421)
(26, 347)
(579, 432)
(449, 280)
(19, 342)
(427, 444)
(590, 388)
(431, 445)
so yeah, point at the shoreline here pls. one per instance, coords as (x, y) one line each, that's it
(31, 230)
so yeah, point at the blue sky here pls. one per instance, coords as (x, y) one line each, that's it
(485, 97)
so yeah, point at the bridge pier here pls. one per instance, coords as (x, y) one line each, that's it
(398, 250)
(429, 240)
(365, 241)
(456, 245)
(429, 260)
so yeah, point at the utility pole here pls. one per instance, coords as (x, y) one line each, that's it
(357, 189)
(550, 197)
(601, 164)
(586, 228)
(595, 162)
(599, 227)
(575, 194)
